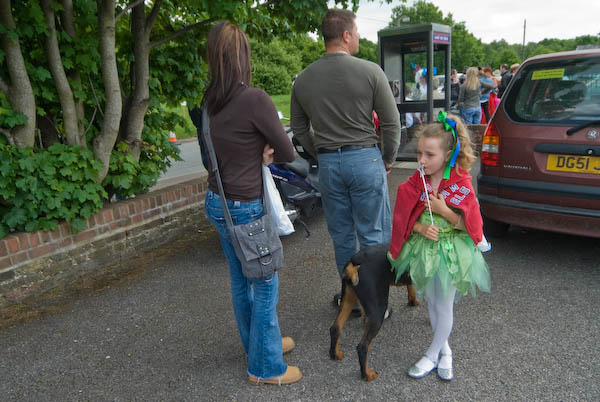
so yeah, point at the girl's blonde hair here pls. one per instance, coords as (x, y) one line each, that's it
(472, 81)
(466, 156)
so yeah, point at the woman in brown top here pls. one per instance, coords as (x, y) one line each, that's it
(244, 129)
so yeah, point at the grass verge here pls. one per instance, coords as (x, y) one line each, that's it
(282, 103)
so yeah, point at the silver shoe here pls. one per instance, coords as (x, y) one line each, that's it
(446, 374)
(417, 372)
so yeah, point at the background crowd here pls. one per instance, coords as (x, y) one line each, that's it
(474, 94)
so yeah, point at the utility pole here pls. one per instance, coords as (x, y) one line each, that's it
(523, 51)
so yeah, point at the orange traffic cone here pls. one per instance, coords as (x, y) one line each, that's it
(172, 137)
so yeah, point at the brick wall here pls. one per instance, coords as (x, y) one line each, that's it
(31, 263)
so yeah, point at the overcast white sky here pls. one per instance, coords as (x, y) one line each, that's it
(491, 20)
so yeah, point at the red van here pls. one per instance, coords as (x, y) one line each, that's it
(540, 159)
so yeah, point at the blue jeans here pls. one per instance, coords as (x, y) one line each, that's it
(355, 199)
(472, 115)
(254, 300)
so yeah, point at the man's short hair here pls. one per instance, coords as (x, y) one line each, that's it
(504, 66)
(335, 23)
(514, 67)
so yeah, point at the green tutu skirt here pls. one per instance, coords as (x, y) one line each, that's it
(453, 258)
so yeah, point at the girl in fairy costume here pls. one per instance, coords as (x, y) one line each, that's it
(436, 227)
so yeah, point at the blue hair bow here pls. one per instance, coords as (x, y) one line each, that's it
(450, 125)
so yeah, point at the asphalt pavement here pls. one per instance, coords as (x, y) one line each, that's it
(189, 168)
(163, 330)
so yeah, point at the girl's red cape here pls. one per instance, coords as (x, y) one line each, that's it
(410, 203)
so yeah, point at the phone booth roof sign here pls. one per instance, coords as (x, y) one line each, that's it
(440, 32)
(441, 37)
(413, 38)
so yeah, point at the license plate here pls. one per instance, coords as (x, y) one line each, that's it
(574, 163)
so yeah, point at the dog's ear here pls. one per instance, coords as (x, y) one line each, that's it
(351, 273)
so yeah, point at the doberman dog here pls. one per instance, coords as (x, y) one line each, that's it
(367, 277)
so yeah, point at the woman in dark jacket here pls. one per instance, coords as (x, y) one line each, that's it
(244, 129)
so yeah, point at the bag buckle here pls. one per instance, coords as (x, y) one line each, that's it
(264, 251)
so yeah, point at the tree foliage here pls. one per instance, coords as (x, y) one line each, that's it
(274, 65)
(498, 52)
(367, 50)
(467, 50)
(307, 48)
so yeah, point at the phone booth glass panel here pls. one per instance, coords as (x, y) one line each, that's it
(412, 56)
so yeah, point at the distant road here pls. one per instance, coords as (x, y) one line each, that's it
(188, 169)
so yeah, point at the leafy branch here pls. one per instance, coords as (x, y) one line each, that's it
(126, 9)
(180, 32)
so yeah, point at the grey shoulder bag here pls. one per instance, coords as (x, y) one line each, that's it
(257, 244)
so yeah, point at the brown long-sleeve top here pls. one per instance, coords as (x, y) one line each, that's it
(239, 133)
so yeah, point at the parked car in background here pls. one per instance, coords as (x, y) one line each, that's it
(540, 160)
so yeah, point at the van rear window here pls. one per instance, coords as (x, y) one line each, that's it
(559, 91)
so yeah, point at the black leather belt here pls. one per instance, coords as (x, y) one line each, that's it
(344, 148)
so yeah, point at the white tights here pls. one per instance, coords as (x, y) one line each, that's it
(441, 309)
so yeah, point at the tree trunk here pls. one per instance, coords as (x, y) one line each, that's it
(140, 97)
(69, 27)
(105, 141)
(63, 88)
(18, 91)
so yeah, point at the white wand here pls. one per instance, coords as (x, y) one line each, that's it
(422, 173)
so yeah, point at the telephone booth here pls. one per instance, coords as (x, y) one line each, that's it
(416, 61)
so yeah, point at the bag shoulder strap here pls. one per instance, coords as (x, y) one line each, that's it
(214, 166)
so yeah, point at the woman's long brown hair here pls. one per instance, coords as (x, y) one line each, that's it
(228, 53)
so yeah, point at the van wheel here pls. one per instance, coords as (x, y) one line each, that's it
(494, 228)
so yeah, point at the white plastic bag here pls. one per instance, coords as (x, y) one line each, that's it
(276, 209)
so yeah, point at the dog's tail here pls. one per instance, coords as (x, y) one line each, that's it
(351, 273)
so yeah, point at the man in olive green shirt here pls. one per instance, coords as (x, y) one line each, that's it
(331, 115)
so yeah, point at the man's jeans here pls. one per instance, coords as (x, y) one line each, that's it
(472, 115)
(254, 300)
(356, 202)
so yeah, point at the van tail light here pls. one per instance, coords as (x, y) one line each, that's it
(490, 145)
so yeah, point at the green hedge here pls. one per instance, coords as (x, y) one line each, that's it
(127, 177)
(39, 189)
(274, 66)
